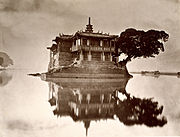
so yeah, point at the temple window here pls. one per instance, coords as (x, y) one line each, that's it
(88, 97)
(93, 42)
(86, 111)
(78, 42)
(102, 97)
(112, 43)
(101, 43)
(88, 42)
(74, 42)
(77, 112)
(96, 42)
(105, 42)
(84, 41)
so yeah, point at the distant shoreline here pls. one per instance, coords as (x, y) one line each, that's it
(159, 73)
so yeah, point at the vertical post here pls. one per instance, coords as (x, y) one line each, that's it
(86, 111)
(109, 98)
(50, 61)
(89, 56)
(110, 56)
(81, 55)
(81, 52)
(101, 43)
(53, 60)
(99, 109)
(103, 56)
(88, 97)
(50, 89)
(114, 44)
(80, 98)
(58, 48)
(110, 50)
(102, 98)
(81, 41)
(88, 43)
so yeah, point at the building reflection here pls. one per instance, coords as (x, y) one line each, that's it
(88, 102)
(5, 77)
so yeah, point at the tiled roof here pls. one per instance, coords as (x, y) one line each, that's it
(65, 37)
(98, 35)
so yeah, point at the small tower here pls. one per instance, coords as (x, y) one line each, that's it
(89, 27)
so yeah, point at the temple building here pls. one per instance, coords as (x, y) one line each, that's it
(85, 54)
(84, 46)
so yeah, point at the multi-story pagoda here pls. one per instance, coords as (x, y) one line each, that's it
(85, 52)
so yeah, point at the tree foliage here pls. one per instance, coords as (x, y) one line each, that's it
(1, 60)
(138, 43)
(4, 78)
(5, 60)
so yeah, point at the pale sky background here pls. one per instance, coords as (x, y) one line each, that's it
(27, 27)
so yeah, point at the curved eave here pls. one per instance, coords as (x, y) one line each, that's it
(95, 35)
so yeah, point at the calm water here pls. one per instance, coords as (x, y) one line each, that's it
(34, 108)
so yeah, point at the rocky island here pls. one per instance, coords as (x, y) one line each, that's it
(96, 55)
(85, 54)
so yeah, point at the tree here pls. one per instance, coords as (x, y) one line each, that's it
(5, 60)
(138, 43)
(4, 78)
(1, 60)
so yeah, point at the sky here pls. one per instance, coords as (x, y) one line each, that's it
(27, 27)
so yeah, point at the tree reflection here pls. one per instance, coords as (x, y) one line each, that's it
(134, 110)
(4, 78)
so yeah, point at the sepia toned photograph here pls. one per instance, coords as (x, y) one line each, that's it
(89, 68)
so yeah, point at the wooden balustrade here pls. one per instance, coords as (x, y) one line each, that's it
(93, 48)
(97, 48)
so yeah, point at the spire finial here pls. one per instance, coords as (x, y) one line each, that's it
(89, 20)
(89, 27)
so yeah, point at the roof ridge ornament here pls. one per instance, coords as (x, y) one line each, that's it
(89, 27)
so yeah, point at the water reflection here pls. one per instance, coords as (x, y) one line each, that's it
(94, 101)
(134, 110)
(5, 77)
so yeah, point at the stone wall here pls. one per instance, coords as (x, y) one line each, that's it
(65, 46)
(65, 58)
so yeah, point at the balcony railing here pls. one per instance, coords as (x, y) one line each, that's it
(93, 48)
(75, 48)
